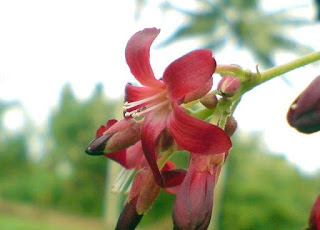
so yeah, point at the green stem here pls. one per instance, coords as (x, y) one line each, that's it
(250, 80)
(281, 69)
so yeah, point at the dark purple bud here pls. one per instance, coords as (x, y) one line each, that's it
(304, 112)
(129, 218)
(231, 126)
(209, 101)
(314, 219)
(229, 86)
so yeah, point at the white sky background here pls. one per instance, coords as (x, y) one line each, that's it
(45, 44)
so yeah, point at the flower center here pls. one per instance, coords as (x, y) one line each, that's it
(147, 104)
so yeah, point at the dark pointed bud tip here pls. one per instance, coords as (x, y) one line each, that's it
(231, 126)
(97, 146)
(209, 101)
(229, 86)
(129, 218)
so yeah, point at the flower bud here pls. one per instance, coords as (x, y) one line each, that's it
(129, 218)
(229, 86)
(194, 200)
(314, 219)
(304, 113)
(231, 126)
(209, 101)
(145, 188)
(114, 136)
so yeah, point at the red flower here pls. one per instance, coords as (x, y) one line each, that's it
(186, 79)
(314, 219)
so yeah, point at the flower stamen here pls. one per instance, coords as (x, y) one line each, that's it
(145, 109)
(129, 105)
(123, 181)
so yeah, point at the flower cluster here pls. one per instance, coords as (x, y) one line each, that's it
(156, 123)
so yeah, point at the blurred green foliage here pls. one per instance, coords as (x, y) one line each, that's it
(263, 191)
(64, 178)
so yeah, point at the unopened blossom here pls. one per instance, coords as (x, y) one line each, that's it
(304, 112)
(119, 141)
(158, 101)
(194, 201)
(143, 193)
(228, 86)
(231, 125)
(314, 219)
(209, 101)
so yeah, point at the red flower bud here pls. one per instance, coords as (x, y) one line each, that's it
(231, 126)
(229, 86)
(304, 113)
(209, 101)
(114, 136)
(314, 219)
(144, 192)
(194, 201)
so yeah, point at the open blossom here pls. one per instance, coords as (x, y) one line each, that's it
(186, 79)
(304, 113)
(163, 123)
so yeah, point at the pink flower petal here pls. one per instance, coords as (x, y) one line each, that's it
(129, 158)
(136, 93)
(135, 156)
(152, 127)
(119, 157)
(138, 56)
(198, 93)
(189, 73)
(195, 135)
